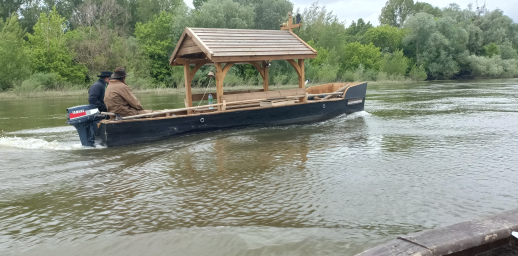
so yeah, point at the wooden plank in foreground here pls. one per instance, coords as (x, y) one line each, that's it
(466, 238)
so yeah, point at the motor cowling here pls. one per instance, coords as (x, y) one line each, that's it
(85, 119)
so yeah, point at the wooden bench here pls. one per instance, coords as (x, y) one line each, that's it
(328, 88)
(263, 95)
(253, 99)
(205, 96)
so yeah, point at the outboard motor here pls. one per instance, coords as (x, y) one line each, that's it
(85, 119)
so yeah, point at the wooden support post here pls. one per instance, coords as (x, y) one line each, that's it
(263, 70)
(295, 66)
(290, 22)
(302, 80)
(265, 77)
(188, 91)
(188, 75)
(219, 82)
(259, 68)
(221, 72)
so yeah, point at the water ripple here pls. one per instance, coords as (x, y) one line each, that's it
(421, 156)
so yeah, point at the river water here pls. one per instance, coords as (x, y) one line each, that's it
(420, 156)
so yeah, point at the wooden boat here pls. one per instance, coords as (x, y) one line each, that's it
(495, 235)
(224, 48)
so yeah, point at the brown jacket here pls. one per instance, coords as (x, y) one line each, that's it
(119, 99)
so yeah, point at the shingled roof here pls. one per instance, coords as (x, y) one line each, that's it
(236, 45)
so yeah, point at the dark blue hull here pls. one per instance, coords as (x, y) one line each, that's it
(146, 130)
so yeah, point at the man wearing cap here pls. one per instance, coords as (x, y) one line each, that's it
(119, 97)
(96, 91)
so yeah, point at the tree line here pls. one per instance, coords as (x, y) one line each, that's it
(49, 44)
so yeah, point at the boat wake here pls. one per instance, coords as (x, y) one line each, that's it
(52, 138)
(358, 115)
(59, 129)
(35, 143)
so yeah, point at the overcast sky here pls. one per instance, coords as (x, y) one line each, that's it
(369, 10)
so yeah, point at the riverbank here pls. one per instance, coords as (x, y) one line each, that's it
(77, 91)
(84, 92)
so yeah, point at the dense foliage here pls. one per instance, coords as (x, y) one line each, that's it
(15, 57)
(55, 44)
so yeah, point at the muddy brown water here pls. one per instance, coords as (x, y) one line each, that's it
(420, 156)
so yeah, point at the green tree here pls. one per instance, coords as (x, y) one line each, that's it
(30, 10)
(493, 67)
(491, 50)
(497, 27)
(323, 27)
(394, 63)
(354, 54)
(385, 37)
(30, 15)
(358, 29)
(440, 44)
(420, 28)
(427, 8)
(8, 7)
(269, 14)
(417, 73)
(475, 38)
(322, 57)
(456, 34)
(483, 27)
(198, 3)
(224, 14)
(443, 65)
(507, 51)
(102, 16)
(157, 42)
(49, 49)
(147, 9)
(395, 12)
(15, 58)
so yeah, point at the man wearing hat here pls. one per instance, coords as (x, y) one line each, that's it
(119, 97)
(96, 92)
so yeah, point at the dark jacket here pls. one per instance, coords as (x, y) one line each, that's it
(96, 95)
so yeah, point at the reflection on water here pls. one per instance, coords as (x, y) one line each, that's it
(421, 156)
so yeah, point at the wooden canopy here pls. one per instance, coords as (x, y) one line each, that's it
(239, 45)
(226, 47)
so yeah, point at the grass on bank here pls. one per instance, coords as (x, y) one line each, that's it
(78, 91)
(48, 85)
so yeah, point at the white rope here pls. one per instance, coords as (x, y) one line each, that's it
(204, 92)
